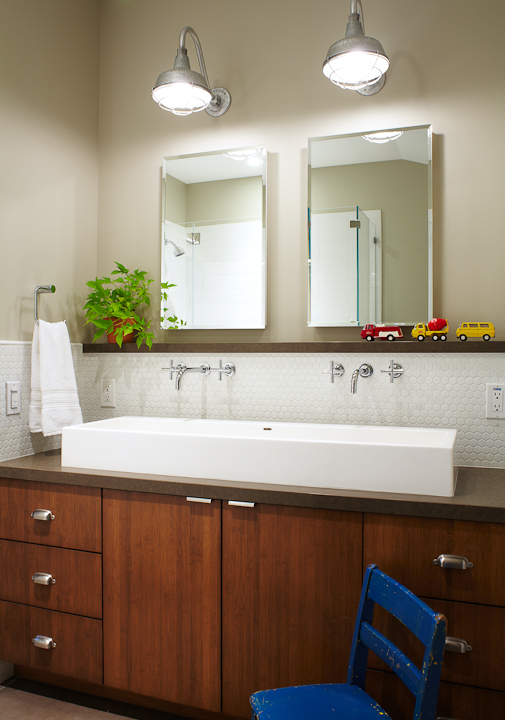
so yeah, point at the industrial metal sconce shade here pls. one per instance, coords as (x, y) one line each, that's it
(183, 91)
(357, 62)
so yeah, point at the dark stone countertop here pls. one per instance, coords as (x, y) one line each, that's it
(480, 492)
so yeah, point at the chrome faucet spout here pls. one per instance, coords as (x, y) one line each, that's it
(365, 370)
(182, 369)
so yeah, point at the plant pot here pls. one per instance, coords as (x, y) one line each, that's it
(127, 337)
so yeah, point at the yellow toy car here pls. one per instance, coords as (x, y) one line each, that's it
(484, 330)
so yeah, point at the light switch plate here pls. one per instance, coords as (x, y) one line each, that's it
(12, 397)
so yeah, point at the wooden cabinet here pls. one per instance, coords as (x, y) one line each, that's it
(203, 604)
(68, 609)
(473, 600)
(162, 597)
(291, 586)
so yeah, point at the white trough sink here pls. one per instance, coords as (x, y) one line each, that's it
(350, 457)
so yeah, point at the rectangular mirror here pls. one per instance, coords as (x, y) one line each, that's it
(370, 228)
(213, 239)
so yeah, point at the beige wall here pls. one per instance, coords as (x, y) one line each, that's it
(49, 160)
(225, 199)
(399, 189)
(279, 98)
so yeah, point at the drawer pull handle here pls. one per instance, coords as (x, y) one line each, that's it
(240, 503)
(453, 562)
(42, 515)
(46, 643)
(200, 500)
(457, 645)
(43, 579)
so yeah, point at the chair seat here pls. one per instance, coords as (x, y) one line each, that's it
(317, 702)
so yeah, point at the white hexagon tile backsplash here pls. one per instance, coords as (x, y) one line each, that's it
(439, 390)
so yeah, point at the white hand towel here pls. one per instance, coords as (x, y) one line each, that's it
(54, 402)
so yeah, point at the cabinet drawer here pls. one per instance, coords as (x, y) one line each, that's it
(405, 547)
(78, 651)
(78, 576)
(77, 514)
(480, 626)
(455, 702)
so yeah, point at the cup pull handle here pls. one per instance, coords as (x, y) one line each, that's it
(42, 515)
(453, 562)
(43, 579)
(46, 643)
(457, 645)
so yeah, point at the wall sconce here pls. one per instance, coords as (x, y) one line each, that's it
(183, 91)
(357, 62)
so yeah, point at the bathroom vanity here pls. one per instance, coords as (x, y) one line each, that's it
(214, 589)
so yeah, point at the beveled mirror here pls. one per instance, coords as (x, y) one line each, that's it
(370, 228)
(213, 238)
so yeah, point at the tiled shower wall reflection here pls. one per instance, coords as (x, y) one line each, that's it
(440, 391)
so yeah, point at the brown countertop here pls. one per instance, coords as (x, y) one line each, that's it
(480, 492)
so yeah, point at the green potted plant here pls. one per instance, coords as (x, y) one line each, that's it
(175, 322)
(112, 304)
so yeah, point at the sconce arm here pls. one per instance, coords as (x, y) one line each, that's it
(182, 45)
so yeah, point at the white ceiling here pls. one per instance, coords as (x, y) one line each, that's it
(208, 167)
(413, 145)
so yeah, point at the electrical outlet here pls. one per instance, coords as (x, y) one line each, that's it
(495, 393)
(108, 394)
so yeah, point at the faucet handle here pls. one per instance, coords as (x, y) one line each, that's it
(336, 370)
(173, 368)
(394, 370)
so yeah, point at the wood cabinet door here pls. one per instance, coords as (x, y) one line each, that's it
(162, 592)
(291, 585)
(405, 547)
(77, 514)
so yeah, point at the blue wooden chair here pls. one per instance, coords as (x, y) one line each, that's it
(349, 700)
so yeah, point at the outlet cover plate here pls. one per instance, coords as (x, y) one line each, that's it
(495, 400)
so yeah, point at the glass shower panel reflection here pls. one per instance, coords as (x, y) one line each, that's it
(333, 268)
(344, 271)
(220, 278)
(369, 266)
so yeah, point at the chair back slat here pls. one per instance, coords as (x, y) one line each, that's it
(428, 626)
(403, 605)
(392, 656)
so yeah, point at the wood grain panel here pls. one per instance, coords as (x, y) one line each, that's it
(78, 651)
(460, 702)
(77, 512)
(405, 547)
(481, 627)
(78, 575)
(162, 593)
(291, 586)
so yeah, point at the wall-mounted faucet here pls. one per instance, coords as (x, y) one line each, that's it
(365, 370)
(204, 369)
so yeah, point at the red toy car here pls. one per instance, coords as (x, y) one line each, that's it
(385, 332)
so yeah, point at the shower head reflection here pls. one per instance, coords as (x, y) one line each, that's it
(177, 248)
